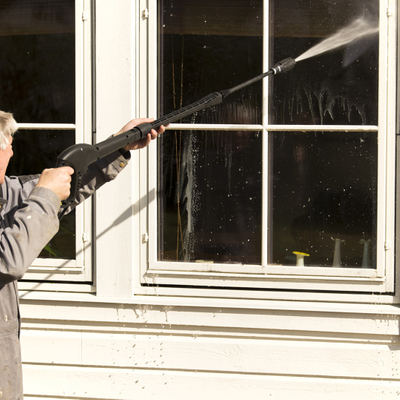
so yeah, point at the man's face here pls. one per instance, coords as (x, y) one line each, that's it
(5, 156)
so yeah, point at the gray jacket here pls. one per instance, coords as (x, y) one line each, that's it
(28, 221)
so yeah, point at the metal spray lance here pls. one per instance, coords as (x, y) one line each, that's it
(80, 156)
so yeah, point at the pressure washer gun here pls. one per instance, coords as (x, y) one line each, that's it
(80, 156)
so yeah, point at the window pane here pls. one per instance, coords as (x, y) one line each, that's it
(336, 87)
(207, 46)
(324, 188)
(37, 60)
(44, 147)
(211, 204)
(210, 182)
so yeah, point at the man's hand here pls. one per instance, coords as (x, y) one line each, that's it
(140, 144)
(58, 180)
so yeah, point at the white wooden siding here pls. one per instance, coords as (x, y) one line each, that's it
(122, 351)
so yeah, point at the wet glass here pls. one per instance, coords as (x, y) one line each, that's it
(324, 199)
(336, 87)
(323, 185)
(208, 46)
(37, 60)
(322, 194)
(211, 207)
(210, 182)
(33, 152)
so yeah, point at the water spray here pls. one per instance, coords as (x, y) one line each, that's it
(358, 29)
(80, 156)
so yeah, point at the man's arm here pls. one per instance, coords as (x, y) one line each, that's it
(35, 222)
(25, 233)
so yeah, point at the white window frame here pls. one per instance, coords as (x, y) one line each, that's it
(156, 277)
(44, 270)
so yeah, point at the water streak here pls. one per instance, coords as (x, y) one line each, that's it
(360, 28)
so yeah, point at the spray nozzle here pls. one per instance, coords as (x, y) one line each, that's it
(283, 66)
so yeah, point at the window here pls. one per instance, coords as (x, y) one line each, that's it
(45, 62)
(289, 183)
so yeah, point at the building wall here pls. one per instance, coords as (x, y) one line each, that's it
(172, 350)
(114, 345)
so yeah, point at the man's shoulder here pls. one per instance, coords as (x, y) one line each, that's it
(21, 179)
(27, 178)
(20, 185)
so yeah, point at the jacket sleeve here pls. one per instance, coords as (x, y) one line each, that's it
(99, 173)
(33, 224)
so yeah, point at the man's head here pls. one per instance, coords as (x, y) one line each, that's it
(8, 127)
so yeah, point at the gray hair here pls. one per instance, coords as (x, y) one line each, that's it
(8, 126)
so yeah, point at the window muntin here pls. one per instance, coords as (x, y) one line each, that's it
(288, 275)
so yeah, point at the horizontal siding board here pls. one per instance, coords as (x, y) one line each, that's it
(194, 353)
(128, 351)
(217, 319)
(129, 384)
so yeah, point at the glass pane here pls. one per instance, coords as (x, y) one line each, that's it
(324, 199)
(37, 60)
(210, 209)
(338, 86)
(44, 147)
(207, 46)
(210, 182)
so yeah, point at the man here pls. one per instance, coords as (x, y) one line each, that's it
(29, 208)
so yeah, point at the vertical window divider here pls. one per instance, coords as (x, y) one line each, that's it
(265, 140)
(391, 144)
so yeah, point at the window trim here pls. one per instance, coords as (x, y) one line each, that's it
(80, 268)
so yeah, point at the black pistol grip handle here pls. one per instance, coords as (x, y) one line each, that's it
(76, 179)
(78, 157)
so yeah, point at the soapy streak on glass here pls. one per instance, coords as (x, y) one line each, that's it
(215, 204)
(335, 81)
(205, 212)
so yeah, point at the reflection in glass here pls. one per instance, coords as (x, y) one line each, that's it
(211, 204)
(208, 46)
(210, 182)
(324, 198)
(338, 87)
(33, 152)
(37, 60)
